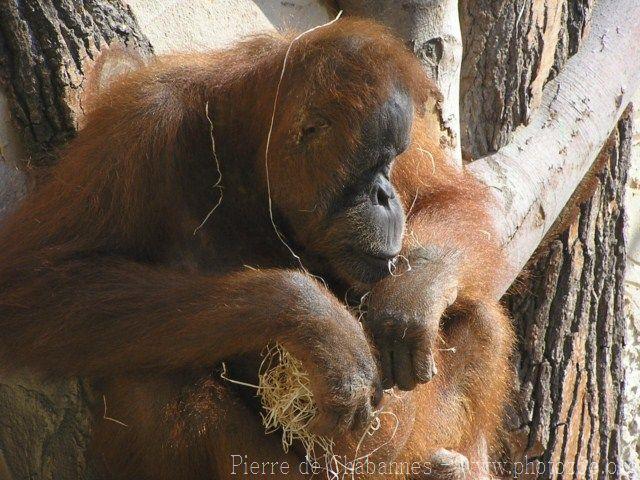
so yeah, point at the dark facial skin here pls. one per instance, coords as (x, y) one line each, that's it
(368, 215)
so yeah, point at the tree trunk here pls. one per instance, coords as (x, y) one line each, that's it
(47, 50)
(568, 309)
(511, 48)
(570, 320)
(52, 53)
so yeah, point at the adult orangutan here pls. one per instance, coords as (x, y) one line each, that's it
(109, 272)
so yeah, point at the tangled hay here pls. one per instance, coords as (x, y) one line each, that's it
(288, 406)
(287, 401)
(285, 390)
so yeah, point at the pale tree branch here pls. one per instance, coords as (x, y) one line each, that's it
(536, 174)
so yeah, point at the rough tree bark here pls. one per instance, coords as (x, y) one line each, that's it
(47, 50)
(51, 53)
(571, 323)
(569, 311)
(517, 45)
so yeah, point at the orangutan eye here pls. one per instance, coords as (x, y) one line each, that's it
(313, 128)
(309, 130)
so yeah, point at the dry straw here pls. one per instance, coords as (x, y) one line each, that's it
(218, 181)
(285, 393)
(288, 406)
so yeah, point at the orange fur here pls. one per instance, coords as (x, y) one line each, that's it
(101, 274)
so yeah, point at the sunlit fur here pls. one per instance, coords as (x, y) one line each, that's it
(101, 274)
